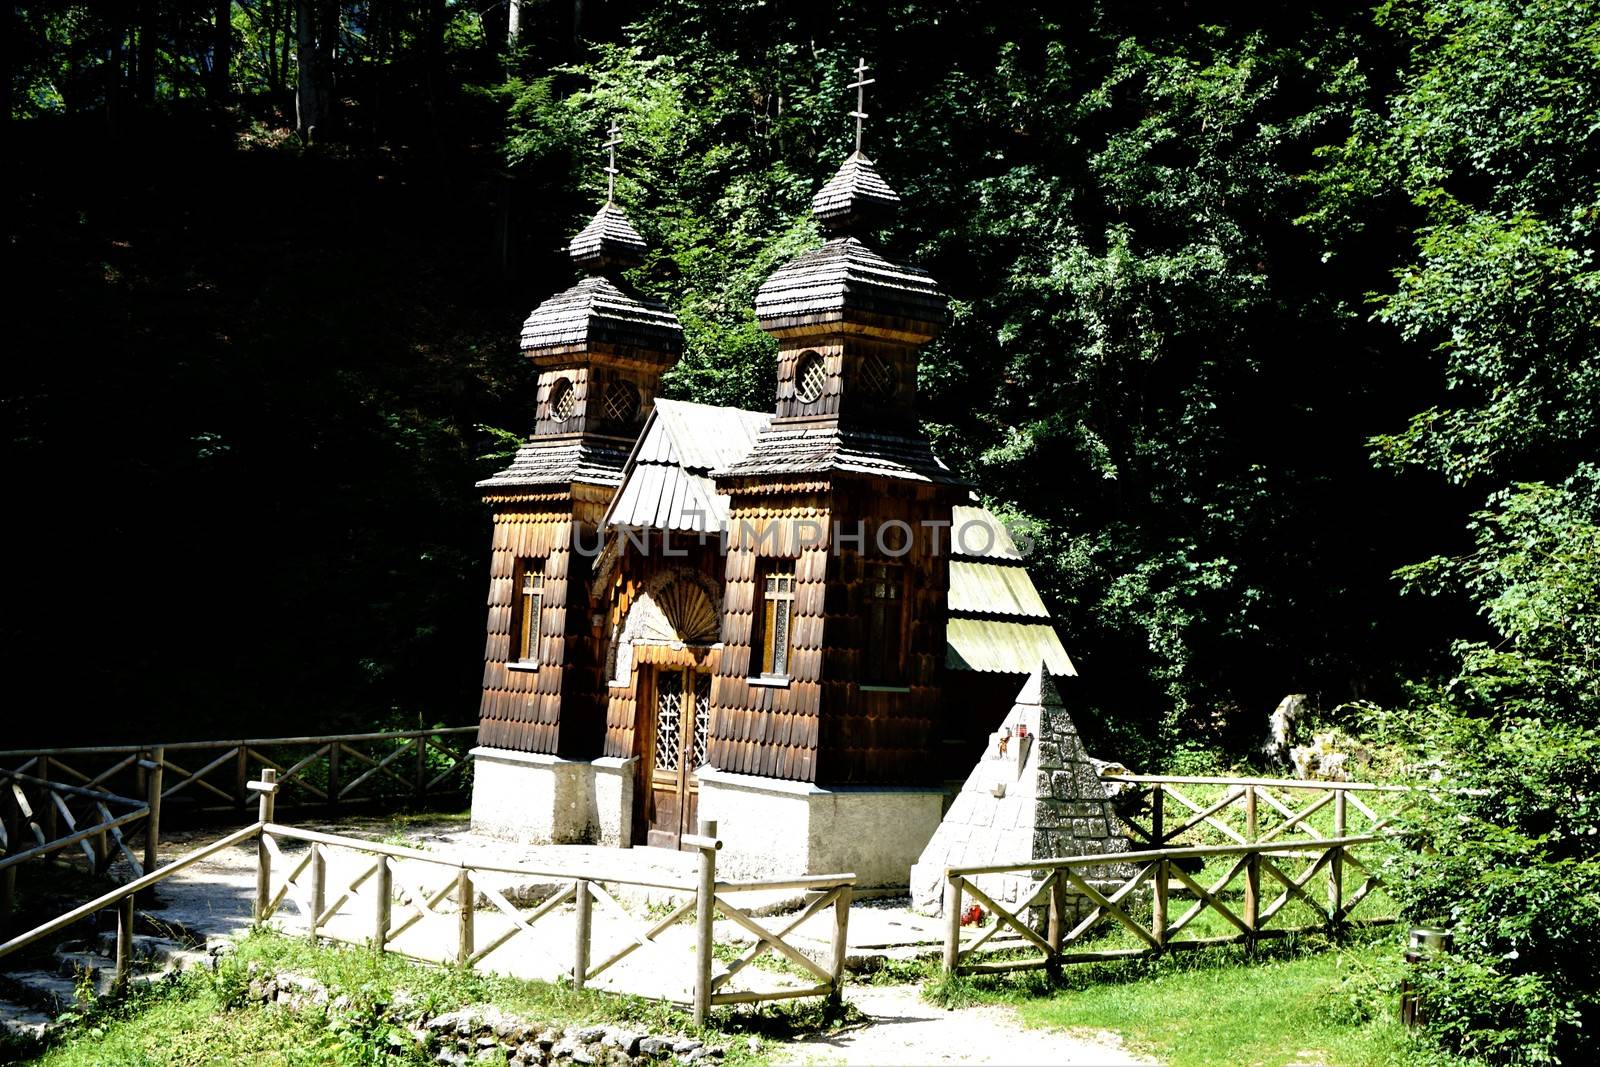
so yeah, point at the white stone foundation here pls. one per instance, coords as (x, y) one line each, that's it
(544, 800)
(613, 800)
(775, 828)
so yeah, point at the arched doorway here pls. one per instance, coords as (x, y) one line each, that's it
(671, 635)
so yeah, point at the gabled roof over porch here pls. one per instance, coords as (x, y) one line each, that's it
(667, 484)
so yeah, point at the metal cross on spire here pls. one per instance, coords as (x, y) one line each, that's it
(611, 166)
(860, 86)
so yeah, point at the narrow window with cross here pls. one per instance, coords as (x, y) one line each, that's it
(776, 618)
(530, 605)
(885, 624)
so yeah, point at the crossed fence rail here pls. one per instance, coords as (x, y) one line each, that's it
(455, 910)
(1256, 810)
(57, 801)
(214, 776)
(99, 823)
(1246, 853)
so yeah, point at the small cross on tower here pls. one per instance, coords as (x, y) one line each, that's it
(860, 86)
(611, 165)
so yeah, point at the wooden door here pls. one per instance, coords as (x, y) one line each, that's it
(679, 714)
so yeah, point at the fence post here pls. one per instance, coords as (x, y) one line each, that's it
(319, 887)
(1252, 895)
(241, 776)
(152, 800)
(124, 964)
(582, 901)
(267, 787)
(1157, 817)
(1336, 864)
(705, 910)
(952, 921)
(1251, 822)
(1158, 910)
(47, 809)
(464, 897)
(8, 877)
(841, 943)
(384, 893)
(333, 774)
(1057, 927)
(422, 766)
(102, 852)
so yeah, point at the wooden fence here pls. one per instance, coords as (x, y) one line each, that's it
(1132, 892)
(1256, 810)
(122, 898)
(40, 818)
(427, 907)
(214, 776)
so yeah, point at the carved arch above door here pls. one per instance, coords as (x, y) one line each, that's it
(678, 608)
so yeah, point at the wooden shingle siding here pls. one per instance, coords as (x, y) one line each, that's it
(540, 710)
(886, 736)
(831, 352)
(767, 729)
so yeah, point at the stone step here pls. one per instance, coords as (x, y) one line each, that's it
(147, 948)
(70, 964)
(46, 990)
(24, 1021)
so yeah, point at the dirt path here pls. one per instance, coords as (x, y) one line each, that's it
(904, 1030)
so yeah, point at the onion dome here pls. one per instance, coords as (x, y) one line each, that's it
(608, 243)
(845, 280)
(855, 200)
(598, 313)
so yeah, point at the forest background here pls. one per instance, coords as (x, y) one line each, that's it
(1276, 322)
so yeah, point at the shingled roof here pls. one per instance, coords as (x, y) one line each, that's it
(608, 241)
(596, 311)
(845, 275)
(667, 483)
(828, 447)
(854, 199)
(546, 462)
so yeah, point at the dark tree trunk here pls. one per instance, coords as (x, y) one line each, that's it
(313, 49)
(144, 89)
(433, 53)
(222, 52)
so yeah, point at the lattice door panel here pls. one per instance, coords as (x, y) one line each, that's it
(669, 720)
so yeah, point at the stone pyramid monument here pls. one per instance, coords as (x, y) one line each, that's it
(1033, 795)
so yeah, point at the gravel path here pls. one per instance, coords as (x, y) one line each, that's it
(903, 1030)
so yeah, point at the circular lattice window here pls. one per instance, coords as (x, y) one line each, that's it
(877, 377)
(563, 400)
(809, 377)
(621, 402)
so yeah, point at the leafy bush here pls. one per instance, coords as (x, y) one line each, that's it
(1511, 839)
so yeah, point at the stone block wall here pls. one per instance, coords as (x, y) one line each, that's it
(1035, 796)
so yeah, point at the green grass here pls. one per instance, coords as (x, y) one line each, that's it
(1305, 1001)
(202, 1018)
(189, 1023)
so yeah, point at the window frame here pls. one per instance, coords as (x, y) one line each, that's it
(526, 632)
(879, 632)
(776, 589)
